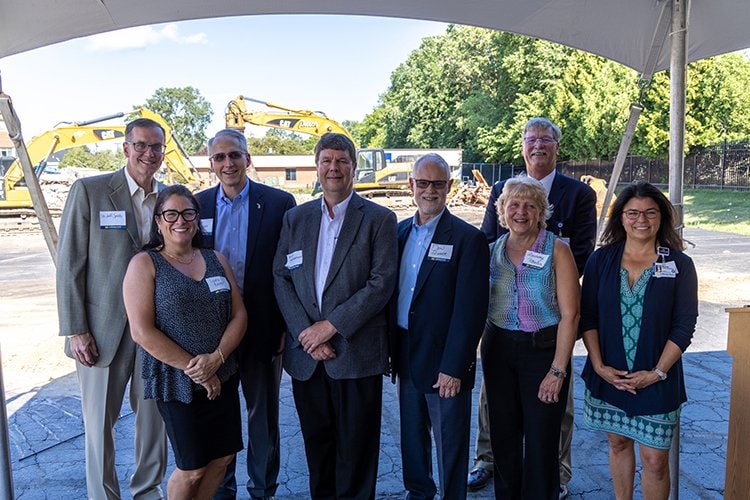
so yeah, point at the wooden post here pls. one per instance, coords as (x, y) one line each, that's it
(737, 481)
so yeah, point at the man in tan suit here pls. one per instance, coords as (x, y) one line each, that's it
(106, 221)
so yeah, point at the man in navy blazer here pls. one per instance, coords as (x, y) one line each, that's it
(440, 311)
(574, 220)
(335, 271)
(242, 219)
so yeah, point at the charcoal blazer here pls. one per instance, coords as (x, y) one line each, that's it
(573, 216)
(448, 308)
(267, 206)
(359, 285)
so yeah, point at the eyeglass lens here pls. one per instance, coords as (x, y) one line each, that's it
(651, 213)
(141, 147)
(233, 155)
(188, 215)
(424, 184)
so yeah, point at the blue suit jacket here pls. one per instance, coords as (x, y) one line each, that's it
(573, 216)
(359, 284)
(448, 308)
(265, 325)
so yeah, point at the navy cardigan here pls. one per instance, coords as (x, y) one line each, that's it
(670, 310)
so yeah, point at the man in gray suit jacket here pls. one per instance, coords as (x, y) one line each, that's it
(106, 221)
(335, 271)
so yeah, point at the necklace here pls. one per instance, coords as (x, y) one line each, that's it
(192, 257)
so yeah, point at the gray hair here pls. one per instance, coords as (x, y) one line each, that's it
(230, 132)
(541, 122)
(432, 158)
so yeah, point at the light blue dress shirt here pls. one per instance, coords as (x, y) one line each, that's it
(415, 249)
(231, 230)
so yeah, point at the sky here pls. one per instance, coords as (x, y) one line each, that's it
(336, 64)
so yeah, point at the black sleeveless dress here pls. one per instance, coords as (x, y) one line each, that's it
(194, 314)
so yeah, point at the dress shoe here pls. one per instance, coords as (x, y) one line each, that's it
(478, 478)
(563, 491)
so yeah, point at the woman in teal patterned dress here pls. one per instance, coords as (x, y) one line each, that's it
(639, 304)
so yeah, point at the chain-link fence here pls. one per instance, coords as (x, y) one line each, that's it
(726, 166)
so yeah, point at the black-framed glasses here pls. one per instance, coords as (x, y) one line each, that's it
(233, 155)
(188, 215)
(141, 147)
(651, 213)
(544, 140)
(424, 184)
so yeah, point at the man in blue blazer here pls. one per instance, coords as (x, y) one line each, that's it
(335, 271)
(440, 310)
(242, 220)
(574, 220)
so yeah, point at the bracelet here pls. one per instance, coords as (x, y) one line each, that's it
(662, 375)
(221, 355)
(556, 372)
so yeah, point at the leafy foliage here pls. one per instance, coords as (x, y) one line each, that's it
(101, 160)
(186, 111)
(475, 89)
(281, 142)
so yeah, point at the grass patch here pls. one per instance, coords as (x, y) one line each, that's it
(715, 210)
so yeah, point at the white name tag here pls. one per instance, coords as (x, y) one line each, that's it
(112, 219)
(294, 259)
(207, 226)
(665, 270)
(535, 259)
(442, 253)
(217, 284)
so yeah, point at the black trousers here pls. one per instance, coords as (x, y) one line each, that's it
(524, 432)
(340, 422)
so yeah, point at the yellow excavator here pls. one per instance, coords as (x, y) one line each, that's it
(375, 176)
(13, 191)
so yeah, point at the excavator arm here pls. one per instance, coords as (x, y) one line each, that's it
(69, 135)
(294, 120)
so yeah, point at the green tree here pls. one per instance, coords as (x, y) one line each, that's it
(475, 88)
(281, 142)
(186, 111)
(82, 157)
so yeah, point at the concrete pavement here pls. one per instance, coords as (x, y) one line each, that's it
(46, 432)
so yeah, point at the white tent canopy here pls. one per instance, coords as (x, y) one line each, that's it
(620, 30)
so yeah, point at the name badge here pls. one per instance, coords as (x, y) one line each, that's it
(535, 259)
(112, 219)
(665, 269)
(207, 226)
(294, 259)
(440, 252)
(217, 284)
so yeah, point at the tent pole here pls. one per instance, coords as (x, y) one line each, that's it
(678, 76)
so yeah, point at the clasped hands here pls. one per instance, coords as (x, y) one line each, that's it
(202, 370)
(627, 381)
(315, 340)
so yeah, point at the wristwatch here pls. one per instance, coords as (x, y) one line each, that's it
(662, 375)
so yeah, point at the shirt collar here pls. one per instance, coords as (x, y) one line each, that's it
(220, 196)
(431, 224)
(547, 181)
(338, 209)
(133, 186)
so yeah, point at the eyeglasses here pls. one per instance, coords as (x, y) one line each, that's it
(233, 155)
(188, 215)
(424, 183)
(141, 147)
(544, 140)
(651, 213)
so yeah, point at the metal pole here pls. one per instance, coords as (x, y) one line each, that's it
(678, 75)
(13, 125)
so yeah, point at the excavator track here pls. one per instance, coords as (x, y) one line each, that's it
(15, 221)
